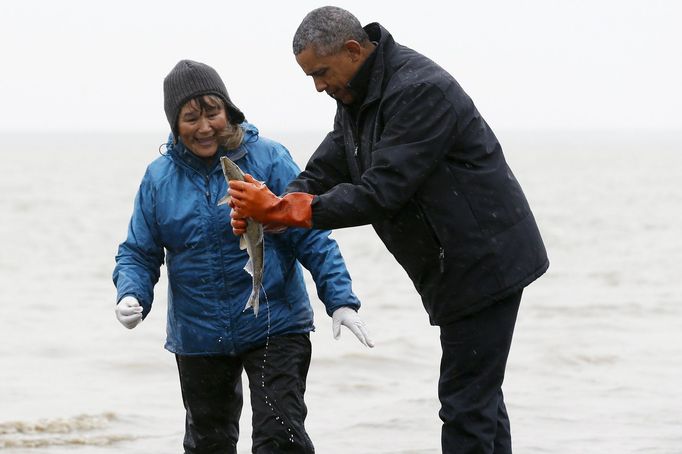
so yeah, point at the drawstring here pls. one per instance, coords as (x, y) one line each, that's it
(168, 148)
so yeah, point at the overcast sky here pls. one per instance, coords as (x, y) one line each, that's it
(541, 64)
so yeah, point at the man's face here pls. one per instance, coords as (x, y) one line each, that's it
(331, 73)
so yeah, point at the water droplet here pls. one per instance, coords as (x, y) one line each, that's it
(265, 361)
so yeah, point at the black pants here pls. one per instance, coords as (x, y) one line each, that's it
(212, 395)
(475, 351)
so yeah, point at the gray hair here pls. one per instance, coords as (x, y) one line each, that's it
(233, 135)
(327, 29)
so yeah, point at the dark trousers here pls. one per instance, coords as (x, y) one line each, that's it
(212, 394)
(475, 351)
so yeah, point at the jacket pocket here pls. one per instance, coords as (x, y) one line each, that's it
(429, 226)
(413, 243)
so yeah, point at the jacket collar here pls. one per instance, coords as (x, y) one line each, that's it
(385, 41)
(359, 84)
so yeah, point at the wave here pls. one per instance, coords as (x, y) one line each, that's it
(78, 430)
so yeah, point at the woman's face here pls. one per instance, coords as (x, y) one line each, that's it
(199, 127)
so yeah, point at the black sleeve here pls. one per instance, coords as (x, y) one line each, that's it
(326, 168)
(420, 125)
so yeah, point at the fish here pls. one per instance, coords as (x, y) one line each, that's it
(251, 240)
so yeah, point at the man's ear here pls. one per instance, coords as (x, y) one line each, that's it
(354, 50)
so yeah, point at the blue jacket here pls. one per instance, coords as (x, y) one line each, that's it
(176, 215)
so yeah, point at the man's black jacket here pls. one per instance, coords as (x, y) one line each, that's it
(421, 165)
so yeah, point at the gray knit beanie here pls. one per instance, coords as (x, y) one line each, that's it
(189, 79)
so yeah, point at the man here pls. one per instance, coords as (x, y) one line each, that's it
(411, 155)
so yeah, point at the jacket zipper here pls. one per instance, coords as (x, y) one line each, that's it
(207, 179)
(355, 130)
(441, 259)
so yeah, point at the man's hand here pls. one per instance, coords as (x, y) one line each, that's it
(129, 312)
(252, 199)
(350, 319)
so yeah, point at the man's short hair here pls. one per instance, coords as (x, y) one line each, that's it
(327, 29)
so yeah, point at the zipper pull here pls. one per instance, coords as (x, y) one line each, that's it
(356, 149)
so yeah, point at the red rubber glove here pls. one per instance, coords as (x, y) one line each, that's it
(252, 199)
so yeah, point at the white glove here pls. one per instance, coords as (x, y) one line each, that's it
(350, 319)
(129, 312)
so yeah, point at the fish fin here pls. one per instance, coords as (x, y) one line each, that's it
(225, 200)
(242, 246)
(254, 302)
(249, 267)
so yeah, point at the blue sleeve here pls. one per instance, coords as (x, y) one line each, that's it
(321, 256)
(283, 169)
(141, 255)
(315, 249)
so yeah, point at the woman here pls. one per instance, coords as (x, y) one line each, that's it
(213, 337)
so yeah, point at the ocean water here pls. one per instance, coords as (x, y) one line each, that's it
(595, 366)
